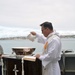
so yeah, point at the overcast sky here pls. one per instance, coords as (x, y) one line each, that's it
(31, 13)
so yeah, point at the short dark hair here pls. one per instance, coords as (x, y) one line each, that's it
(47, 25)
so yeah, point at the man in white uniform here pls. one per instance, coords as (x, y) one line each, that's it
(51, 50)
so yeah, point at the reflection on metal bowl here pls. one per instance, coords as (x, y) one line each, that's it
(23, 50)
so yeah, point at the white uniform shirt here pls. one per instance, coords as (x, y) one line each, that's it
(51, 54)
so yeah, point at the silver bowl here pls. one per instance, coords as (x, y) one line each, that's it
(23, 50)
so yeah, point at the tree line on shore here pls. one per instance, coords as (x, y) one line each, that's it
(23, 37)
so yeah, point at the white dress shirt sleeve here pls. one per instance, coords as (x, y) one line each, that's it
(41, 38)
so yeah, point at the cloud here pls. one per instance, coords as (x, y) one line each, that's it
(30, 13)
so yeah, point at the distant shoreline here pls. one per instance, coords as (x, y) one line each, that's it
(23, 37)
(12, 38)
(67, 36)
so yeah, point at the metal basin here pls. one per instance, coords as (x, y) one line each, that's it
(23, 50)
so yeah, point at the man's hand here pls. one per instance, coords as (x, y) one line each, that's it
(33, 33)
(37, 55)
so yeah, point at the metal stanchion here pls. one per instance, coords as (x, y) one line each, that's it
(63, 58)
(2, 65)
(23, 67)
